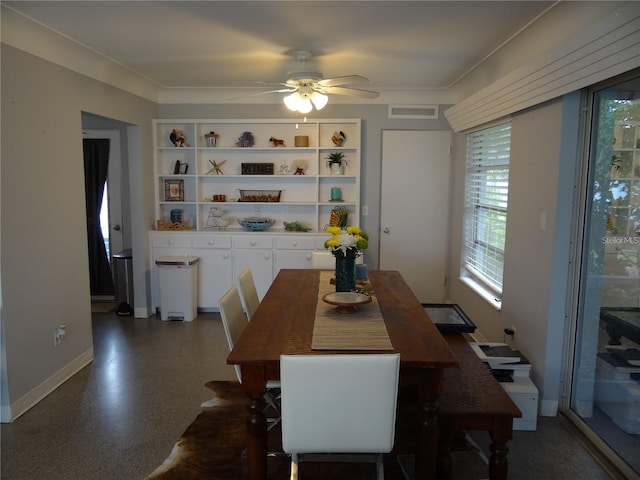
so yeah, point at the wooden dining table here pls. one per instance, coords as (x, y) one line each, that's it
(284, 324)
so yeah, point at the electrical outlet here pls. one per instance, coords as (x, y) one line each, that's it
(58, 334)
(511, 331)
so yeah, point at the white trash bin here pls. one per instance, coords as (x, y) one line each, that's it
(178, 285)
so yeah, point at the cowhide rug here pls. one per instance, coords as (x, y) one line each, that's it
(212, 448)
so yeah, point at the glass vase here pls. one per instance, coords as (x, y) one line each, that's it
(345, 273)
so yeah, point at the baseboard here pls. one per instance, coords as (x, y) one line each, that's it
(548, 408)
(144, 312)
(13, 411)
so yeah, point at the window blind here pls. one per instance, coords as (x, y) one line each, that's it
(487, 189)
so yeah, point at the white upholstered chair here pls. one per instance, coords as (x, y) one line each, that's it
(339, 404)
(248, 292)
(234, 322)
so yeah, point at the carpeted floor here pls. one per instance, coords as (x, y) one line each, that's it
(211, 448)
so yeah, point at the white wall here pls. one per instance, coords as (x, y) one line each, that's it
(44, 269)
(536, 256)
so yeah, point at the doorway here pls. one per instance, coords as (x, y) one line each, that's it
(416, 166)
(605, 371)
(104, 208)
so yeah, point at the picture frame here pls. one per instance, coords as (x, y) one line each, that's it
(449, 318)
(174, 190)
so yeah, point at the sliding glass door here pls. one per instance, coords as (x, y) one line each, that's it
(605, 384)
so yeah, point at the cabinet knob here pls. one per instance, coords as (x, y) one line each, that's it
(212, 242)
(308, 256)
(226, 255)
(295, 244)
(267, 256)
(252, 243)
(171, 242)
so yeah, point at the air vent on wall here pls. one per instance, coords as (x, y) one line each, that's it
(421, 112)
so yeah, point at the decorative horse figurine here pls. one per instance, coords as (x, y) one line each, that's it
(276, 142)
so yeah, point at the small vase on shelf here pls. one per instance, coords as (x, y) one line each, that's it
(336, 169)
(336, 163)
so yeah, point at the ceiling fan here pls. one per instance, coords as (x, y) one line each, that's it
(307, 87)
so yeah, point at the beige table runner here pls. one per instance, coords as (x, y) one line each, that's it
(362, 330)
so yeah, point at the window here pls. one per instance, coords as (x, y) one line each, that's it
(485, 217)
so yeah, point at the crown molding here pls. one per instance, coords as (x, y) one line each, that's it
(41, 41)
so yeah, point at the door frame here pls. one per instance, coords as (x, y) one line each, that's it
(574, 303)
(114, 192)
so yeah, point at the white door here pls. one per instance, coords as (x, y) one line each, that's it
(415, 209)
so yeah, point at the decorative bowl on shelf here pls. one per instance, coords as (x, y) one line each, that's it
(256, 224)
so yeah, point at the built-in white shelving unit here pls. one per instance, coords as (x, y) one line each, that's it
(304, 198)
(224, 252)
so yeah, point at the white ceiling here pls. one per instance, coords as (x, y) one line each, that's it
(397, 45)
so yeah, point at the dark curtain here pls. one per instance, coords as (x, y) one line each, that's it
(96, 166)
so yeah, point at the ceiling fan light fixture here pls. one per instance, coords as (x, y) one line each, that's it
(298, 103)
(304, 106)
(291, 101)
(319, 100)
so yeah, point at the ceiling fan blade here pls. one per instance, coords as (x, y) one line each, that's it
(346, 80)
(271, 84)
(282, 90)
(353, 92)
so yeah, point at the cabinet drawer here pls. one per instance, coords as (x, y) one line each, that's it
(250, 241)
(212, 241)
(171, 241)
(320, 242)
(295, 243)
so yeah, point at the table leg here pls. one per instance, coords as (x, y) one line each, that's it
(253, 383)
(500, 435)
(428, 435)
(498, 461)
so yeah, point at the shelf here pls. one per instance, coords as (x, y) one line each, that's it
(304, 198)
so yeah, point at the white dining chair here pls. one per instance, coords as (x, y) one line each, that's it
(338, 404)
(234, 322)
(248, 292)
(324, 260)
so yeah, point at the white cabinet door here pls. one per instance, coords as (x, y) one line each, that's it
(293, 251)
(291, 259)
(216, 268)
(415, 209)
(261, 263)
